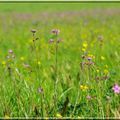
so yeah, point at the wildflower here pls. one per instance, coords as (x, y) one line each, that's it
(58, 115)
(89, 58)
(92, 56)
(33, 31)
(83, 87)
(22, 58)
(40, 90)
(78, 117)
(97, 70)
(51, 41)
(39, 62)
(106, 71)
(7, 117)
(116, 88)
(102, 58)
(88, 97)
(83, 49)
(56, 31)
(3, 63)
(85, 45)
(10, 51)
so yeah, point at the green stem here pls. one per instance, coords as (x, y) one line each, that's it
(56, 77)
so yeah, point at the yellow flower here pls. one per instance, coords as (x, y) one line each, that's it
(58, 115)
(102, 58)
(3, 63)
(83, 49)
(97, 70)
(22, 58)
(106, 71)
(83, 87)
(78, 117)
(92, 56)
(85, 45)
(7, 117)
(39, 62)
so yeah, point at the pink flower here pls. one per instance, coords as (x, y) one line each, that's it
(10, 51)
(51, 41)
(88, 97)
(116, 88)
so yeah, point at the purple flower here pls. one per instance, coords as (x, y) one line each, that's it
(51, 41)
(10, 51)
(116, 88)
(89, 58)
(56, 31)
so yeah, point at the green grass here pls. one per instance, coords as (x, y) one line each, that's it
(60, 6)
(87, 30)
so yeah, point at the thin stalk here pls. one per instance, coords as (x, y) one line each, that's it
(56, 76)
(78, 95)
(36, 70)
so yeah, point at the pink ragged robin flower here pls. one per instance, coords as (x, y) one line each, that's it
(10, 51)
(116, 88)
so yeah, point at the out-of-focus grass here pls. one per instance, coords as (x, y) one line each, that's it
(60, 6)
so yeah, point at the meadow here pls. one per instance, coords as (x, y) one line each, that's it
(59, 60)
